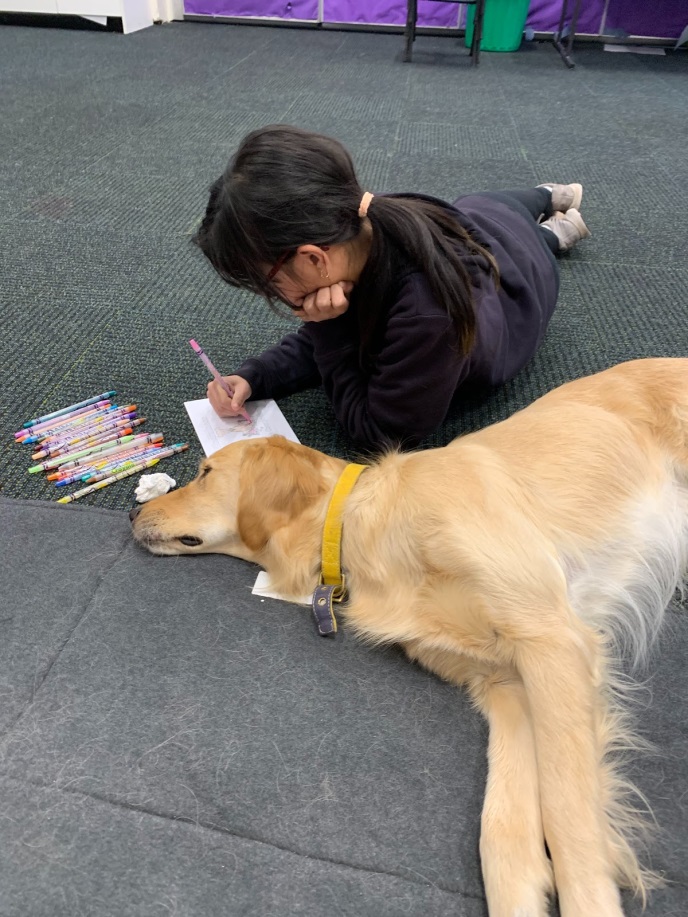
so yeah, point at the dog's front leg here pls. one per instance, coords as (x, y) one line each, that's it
(558, 670)
(516, 871)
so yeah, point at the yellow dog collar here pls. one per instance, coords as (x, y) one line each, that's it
(332, 586)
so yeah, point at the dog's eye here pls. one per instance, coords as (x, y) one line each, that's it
(191, 541)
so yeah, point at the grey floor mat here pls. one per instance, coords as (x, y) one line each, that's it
(172, 743)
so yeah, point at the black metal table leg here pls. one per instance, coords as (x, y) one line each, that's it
(410, 36)
(566, 47)
(477, 32)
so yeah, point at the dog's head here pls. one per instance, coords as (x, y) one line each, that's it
(258, 499)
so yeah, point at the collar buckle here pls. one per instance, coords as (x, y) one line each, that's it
(323, 598)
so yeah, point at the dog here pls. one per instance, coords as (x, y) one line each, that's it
(516, 562)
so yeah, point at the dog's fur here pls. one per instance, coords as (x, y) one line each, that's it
(513, 561)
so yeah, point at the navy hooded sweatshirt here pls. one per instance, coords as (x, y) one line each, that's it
(405, 390)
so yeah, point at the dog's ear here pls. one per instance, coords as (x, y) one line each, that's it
(278, 480)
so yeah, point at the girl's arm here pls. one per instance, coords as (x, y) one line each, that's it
(406, 394)
(283, 369)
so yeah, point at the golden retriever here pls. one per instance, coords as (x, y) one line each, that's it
(513, 561)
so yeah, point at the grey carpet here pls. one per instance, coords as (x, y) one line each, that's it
(172, 744)
(109, 142)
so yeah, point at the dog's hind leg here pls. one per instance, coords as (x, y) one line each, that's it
(516, 871)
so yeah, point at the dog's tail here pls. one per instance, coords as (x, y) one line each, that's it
(631, 824)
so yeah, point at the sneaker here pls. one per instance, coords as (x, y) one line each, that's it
(568, 227)
(565, 197)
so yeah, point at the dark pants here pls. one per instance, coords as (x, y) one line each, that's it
(536, 203)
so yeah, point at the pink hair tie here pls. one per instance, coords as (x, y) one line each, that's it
(365, 203)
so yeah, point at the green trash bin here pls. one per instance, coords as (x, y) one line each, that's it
(503, 24)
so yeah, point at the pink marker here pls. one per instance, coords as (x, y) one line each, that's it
(218, 378)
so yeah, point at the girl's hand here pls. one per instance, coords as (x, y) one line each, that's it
(221, 403)
(326, 303)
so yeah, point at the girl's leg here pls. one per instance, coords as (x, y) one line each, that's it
(559, 234)
(550, 240)
(534, 202)
(537, 201)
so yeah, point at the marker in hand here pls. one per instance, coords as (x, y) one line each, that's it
(216, 375)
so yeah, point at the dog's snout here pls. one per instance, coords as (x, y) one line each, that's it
(134, 511)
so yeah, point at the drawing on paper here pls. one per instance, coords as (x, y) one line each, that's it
(215, 432)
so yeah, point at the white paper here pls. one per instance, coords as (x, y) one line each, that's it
(262, 587)
(215, 432)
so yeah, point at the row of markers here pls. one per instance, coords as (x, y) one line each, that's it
(94, 442)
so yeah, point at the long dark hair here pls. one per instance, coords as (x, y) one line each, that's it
(287, 187)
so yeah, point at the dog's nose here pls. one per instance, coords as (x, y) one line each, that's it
(134, 511)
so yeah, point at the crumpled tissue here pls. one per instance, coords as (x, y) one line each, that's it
(153, 485)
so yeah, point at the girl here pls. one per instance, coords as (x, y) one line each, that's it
(404, 299)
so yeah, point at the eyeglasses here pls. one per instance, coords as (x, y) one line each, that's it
(279, 264)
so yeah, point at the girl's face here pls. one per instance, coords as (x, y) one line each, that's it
(295, 281)
(307, 271)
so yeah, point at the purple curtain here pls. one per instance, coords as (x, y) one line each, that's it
(543, 15)
(388, 12)
(391, 12)
(661, 18)
(276, 9)
(664, 18)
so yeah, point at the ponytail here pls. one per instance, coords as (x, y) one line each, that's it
(428, 235)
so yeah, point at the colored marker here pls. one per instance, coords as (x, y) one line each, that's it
(31, 434)
(71, 428)
(111, 480)
(93, 464)
(102, 450)
(118, 458)
(83, 442)
(100, 432)
(44, 428)
(71, 457)
(126, 451)
(72, 479)
(122, 428)
(87, 443)
(89, 426)
(56, 447)
(106, 436)
(77, 475)
(76, 427)
(100, 453)
(198, 350)
(116, 467)
(69, 409)
(141, 466)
